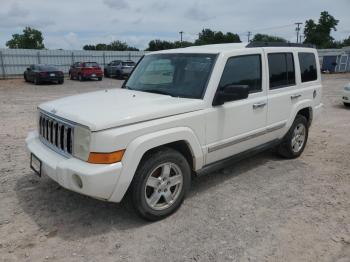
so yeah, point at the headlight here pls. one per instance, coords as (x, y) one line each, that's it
(81, 142)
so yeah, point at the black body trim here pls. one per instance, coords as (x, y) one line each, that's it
(235, 158)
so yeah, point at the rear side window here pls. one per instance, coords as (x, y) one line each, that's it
(308, 69)
(243, 70)
(282, 72)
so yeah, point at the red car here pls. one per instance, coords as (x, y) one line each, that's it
(85, 70)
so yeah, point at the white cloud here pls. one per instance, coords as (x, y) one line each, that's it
(118, 4)
(196, 12)
(71, 24)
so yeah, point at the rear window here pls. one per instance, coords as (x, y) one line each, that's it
(281, 67)
(129, 63)
(48, 68)
(308, 69)
(91, 64)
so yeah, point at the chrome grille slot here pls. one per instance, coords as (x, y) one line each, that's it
(56, 133)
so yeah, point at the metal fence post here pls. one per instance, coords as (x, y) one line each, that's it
(129, 56)
(72, 58)
(2, 65)
(104, 59)
(39, 62)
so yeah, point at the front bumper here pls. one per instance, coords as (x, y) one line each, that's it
(346, 96)
(98, 181)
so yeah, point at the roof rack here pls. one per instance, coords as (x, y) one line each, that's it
(277, 44)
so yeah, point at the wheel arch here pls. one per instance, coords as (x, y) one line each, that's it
(182, 139)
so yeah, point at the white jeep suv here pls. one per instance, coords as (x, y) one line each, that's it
(181, 112)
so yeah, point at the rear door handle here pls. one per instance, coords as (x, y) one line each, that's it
(295, 96)
(259, 105)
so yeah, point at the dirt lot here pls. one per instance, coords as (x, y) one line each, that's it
(261, 209)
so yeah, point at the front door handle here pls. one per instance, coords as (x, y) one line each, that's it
(259, 105)
(295, 96)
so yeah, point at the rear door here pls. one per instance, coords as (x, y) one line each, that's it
(282, 88)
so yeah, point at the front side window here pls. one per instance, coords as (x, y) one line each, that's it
(308, 69)
(281, 68)
(178, 75)
(243, 70)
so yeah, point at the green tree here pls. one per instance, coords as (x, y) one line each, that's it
(267, 38)
(346, 42)
(319, 34)
(30, 39)
(158, 44)
(207, 37)
(113, 46)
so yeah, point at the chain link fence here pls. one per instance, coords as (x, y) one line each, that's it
(13, 62)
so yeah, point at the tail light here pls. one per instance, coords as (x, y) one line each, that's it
(43, 74)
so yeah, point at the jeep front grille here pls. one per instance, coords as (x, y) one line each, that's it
(56, 133)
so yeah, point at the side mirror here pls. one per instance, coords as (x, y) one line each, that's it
(230, 93)
(28, 68)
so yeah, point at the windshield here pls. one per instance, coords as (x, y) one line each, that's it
(179, 75)
(48, 68)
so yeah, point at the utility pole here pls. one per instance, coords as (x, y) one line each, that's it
(181, 32)
(300, 38)
(249, 34)
(298, 30)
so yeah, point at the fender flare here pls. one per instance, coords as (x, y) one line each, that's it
(307, 103)
(139, 146)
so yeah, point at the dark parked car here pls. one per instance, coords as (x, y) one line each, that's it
(119, 68)
(85, 70)
(43, 73)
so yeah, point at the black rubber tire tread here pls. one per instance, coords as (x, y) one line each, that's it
(285, 148)
(148, 163)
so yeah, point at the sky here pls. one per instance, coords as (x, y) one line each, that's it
(70, 24)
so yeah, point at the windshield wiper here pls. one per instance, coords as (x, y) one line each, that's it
(156, 91)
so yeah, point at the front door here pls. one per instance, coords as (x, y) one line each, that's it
(239, 125)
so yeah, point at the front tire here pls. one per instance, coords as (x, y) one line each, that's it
(160, 184)
(36, 81)
(347, 104)
(294, 142)
(80, 78)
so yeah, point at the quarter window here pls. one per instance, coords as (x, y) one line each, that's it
(308, 70)
(243, 70)
(282, 72)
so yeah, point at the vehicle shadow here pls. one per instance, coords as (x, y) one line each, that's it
(70, 215)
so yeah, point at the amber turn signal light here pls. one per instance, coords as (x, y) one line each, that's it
(106, 158)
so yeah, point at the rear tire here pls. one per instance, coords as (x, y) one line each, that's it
(71, 77)
(25, 78)
(160, 184)
(106, 73)
(347, 104)
(294, 141)
(60, 82)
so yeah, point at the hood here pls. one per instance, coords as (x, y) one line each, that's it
(118, 107)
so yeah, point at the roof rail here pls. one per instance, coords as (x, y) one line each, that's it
(277, 44)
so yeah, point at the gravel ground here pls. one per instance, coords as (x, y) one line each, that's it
(261, 209)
